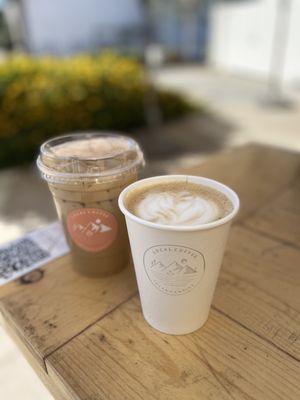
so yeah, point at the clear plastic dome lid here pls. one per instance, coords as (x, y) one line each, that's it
(88, 155)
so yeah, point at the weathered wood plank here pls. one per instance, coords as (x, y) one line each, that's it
(10, 288)
(58, 307)
(259, 288)
(96, 349)
(257, 173)
(59, 393)
(18, 286)
(280, 218)
(121, 357)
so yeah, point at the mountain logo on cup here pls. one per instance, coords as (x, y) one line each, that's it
(92, 229)
(174, 269)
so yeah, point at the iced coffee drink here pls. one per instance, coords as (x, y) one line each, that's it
(86, 173)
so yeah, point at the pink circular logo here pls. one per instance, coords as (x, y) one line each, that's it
(92, 229)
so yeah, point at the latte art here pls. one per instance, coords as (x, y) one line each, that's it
(182, 208)
(178, 203)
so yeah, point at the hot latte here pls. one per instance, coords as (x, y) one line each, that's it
(178, 202)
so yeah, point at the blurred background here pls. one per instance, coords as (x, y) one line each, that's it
(186, 78)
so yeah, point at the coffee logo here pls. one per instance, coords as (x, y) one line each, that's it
(92, 229)
(174, 269)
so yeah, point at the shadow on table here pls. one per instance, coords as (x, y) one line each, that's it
(199, 134)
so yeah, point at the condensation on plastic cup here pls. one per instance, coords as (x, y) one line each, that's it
(177, 304)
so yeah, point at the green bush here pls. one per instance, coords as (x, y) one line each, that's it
(44, 97)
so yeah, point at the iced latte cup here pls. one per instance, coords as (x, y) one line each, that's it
(86, 172)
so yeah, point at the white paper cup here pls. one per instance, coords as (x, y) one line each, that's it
(177, 304)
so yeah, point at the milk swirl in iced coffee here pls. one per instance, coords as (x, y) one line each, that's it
(86, 173)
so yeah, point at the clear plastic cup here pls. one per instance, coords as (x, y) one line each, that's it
(86, 172)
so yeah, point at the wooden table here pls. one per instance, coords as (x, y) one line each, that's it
(87, 339)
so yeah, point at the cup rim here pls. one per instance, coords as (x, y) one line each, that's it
(57, 176)
(227, 191)
(84, 135)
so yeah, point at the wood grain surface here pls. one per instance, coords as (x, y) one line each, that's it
(280, 217)
(121, 357)
(50, 312)
(258, 174)
(87, 338)
(259, 288)
(58, 392)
